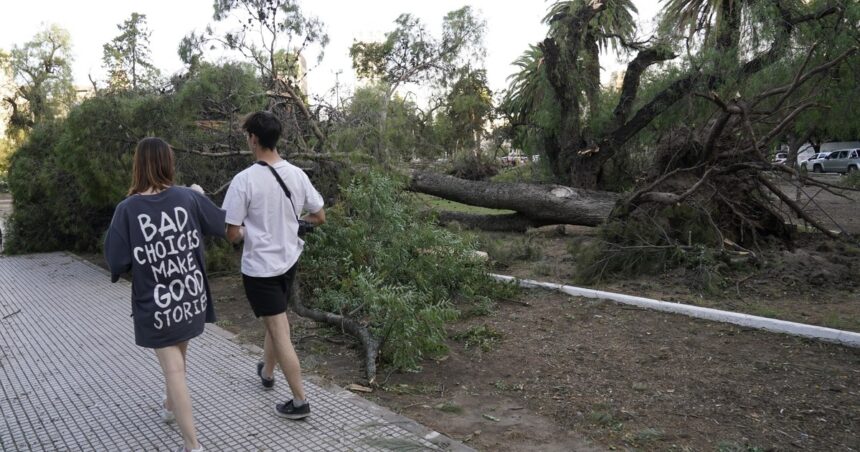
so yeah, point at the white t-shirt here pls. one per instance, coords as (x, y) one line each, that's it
(272, 245)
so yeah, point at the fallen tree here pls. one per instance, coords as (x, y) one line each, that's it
(537, 205)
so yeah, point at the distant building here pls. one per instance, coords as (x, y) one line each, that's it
(616, 80)
(83, 93)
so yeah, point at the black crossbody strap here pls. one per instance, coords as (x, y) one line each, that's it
(282, 184)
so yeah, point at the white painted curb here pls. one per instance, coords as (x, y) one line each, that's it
(848, 338)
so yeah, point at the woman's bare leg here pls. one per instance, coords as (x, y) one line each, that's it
(183, 347)
(173, 365)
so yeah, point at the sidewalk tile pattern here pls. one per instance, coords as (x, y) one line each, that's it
(72, 378)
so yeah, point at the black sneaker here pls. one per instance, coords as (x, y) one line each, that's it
(268, 383)
(289, 411)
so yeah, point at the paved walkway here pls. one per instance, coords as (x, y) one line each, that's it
(72, 378)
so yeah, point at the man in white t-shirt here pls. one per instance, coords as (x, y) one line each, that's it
(263, 204)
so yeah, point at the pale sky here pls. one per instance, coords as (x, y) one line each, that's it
(511, 27)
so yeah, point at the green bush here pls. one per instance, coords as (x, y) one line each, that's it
(46, 207)
(379, 260)
(68, 176)
(639, 246)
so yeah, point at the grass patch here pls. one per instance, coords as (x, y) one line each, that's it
(439, 204)
(649, 435)
(851, 180)
(834, 320)
(481, 336)
(510, 387)
(407, 389)
(449, 407)
(764, 311)
(509, 250)
(728, 446)
(479, 308)
(530, 172)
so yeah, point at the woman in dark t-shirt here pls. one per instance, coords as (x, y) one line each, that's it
(157, 234)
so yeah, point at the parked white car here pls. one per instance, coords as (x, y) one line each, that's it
(780, 158)
(844, 161)
(808, 163)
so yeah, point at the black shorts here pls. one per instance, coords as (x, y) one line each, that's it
(269, 296)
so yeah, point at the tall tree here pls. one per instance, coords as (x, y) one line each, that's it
(273, 35)
(41, 85)
(410, 54)
(468, 107)
(127, 56)
(548, 98)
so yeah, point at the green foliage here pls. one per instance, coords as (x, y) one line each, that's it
(507, 250)
(68, 176)
(218, 92)
(611, 25)
(409, 54)
(127, 56)
(6, 148)
(404, 133)
(481, 336)
(533, 172)
(265, 29)
(221, 257)
(42, 80)
(381, 261)
(47, 211)
(468, 108)
(639, 246)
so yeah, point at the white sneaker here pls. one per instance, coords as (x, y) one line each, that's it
(166, 415)
(183, 449)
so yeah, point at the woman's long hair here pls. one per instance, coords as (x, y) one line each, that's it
(153, 166)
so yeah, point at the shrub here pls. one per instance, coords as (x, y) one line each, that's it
(379, 260)
(68, 176)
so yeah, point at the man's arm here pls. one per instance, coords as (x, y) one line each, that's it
(235, 234)
(316, 218)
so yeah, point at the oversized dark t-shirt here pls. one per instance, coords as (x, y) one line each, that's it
(159, 238)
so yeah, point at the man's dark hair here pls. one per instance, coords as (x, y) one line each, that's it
(265, 126)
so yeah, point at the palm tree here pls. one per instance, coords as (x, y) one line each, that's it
(722, 17)
(554, 76)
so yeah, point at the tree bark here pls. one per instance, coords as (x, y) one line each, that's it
(541, 203)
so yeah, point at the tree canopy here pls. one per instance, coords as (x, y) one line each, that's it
(127, 57)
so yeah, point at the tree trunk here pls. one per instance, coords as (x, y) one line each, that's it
(381, 147)
(541, 203)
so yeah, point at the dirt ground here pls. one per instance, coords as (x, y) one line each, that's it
(550, 372)
(840, 213)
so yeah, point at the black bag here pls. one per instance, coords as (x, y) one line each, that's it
(305, 227)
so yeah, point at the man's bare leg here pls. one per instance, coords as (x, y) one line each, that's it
(278, 333)
(269, 360)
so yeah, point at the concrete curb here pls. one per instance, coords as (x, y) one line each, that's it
(439, 440)
(848, 338)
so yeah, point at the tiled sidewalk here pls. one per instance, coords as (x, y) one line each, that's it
(72, 379)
